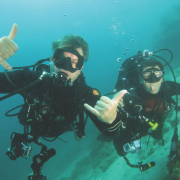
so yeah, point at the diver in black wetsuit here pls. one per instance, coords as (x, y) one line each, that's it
(54, 96)
(140, 112)
(145, 108)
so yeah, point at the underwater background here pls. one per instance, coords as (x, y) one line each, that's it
(113, 29)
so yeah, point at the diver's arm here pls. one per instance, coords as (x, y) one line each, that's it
(8, 47)
(20, 78)
(106, 112)
(170, 87)
(178, 88)
(5, 85)
(107, 129)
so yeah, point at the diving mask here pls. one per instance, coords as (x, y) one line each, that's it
(65, 63)
(152, 75)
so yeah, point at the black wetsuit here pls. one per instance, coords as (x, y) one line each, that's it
(154, 108)
(60, 109)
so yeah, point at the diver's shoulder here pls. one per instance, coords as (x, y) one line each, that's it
(26, 73)
(86, 89)
(168, 84)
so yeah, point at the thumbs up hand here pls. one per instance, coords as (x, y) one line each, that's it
(8, 47)
(106, 109)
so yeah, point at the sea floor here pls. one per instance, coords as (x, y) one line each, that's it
(101, 162)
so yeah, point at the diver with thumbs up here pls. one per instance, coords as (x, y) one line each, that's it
(54, 94)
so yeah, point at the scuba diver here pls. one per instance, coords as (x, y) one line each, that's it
(141, 108)
(54, 96)
(146, 107)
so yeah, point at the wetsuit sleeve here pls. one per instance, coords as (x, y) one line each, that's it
(122, 112)
(107, 129)
(111, 129)
(19, 78)
(170, 87)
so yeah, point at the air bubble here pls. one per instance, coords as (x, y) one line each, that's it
(118, 60)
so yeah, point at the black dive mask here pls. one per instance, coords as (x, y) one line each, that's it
(152, 75)
(65, 63)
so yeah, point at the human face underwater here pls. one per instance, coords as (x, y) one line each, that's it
(150, 84)
(71, 65)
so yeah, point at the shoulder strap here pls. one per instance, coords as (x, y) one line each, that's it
(43, 67)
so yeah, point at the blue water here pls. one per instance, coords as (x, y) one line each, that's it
(109, 27)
